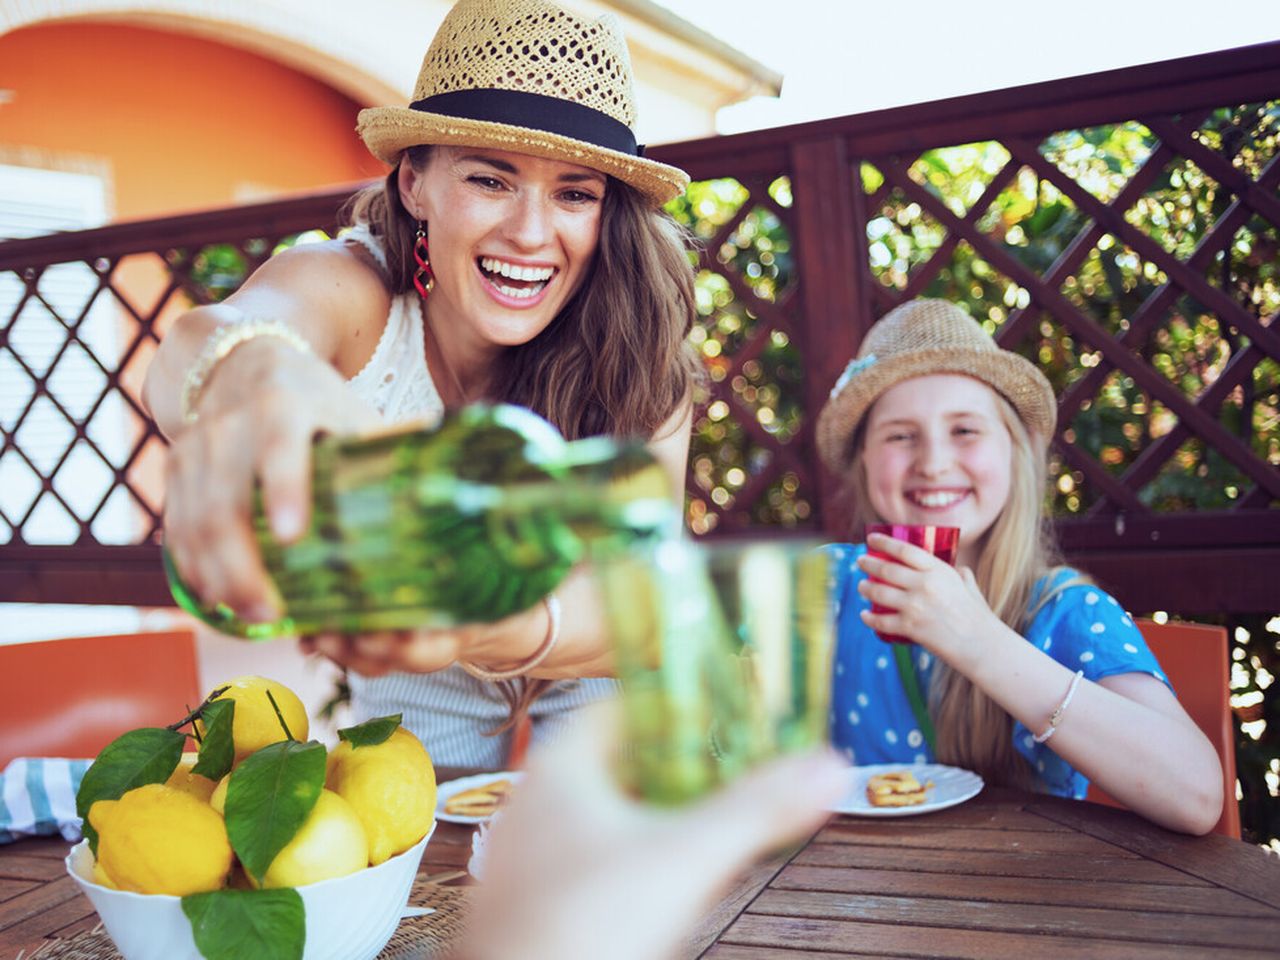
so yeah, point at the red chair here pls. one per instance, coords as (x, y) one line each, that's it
(70, 698)
(1194, 658)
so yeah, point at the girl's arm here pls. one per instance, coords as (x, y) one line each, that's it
(1126, 732)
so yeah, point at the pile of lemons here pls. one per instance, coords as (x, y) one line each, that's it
(378, 800)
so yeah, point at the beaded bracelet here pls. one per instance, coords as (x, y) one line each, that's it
(219, 346)
(1055, 718)
(552, 603)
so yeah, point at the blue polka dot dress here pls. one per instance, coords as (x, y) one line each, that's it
(1082, 627)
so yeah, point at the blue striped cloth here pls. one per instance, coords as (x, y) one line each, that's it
(38, 798)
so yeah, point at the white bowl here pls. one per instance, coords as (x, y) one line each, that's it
(349, 918)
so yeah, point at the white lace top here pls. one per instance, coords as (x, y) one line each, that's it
(396, 379)
(449, 711)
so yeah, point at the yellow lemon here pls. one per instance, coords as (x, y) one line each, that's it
(100, 877)
(156, 839)
(391, 785)
(330, 843)
(218, 799)
(183, 779)
(255, 724)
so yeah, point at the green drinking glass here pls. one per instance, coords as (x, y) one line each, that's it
(725, 655)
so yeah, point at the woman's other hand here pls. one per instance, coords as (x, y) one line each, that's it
(499, 644)
(576, 869)
(407, 651)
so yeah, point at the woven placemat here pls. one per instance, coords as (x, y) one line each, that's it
(416, 938)
(424, 938)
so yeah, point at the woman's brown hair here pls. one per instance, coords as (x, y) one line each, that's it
(614, 361)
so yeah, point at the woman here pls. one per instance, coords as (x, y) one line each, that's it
(516, 252)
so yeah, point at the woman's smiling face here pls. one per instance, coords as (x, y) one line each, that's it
(936, 451)
(511, 238)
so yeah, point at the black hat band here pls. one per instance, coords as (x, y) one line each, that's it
(534, 111)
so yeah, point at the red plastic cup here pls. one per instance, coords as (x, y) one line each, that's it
(942, 542)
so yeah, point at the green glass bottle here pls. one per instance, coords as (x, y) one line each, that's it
(470, 522)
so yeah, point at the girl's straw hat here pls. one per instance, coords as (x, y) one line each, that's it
(530, 77)
(919, 338)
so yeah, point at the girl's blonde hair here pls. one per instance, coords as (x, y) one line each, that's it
(1018, 551)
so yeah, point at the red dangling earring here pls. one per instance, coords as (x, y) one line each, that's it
(424, 280)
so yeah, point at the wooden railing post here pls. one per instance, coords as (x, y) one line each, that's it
(835, 308)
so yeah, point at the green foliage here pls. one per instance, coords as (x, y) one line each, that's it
(133, 759)
(1255, 664)
(750, 269)
(263, 924)
(269, 797)
(371, 732)
(217, 747)
(217, 270)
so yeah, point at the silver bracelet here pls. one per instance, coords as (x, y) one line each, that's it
(1055, 718)
(219, 346)
(552, 603)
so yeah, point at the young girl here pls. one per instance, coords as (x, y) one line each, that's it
(1030, 674)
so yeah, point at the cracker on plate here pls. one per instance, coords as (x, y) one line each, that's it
(479, 801)
(898, 788)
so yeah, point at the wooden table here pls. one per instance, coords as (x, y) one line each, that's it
(1007, 874)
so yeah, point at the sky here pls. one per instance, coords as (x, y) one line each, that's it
(849, 56)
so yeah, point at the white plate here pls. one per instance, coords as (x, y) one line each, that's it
(446, 790)
(951, 785)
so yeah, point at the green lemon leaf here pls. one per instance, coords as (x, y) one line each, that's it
(142, 756)
(269, 797)
(234, 924)
(371, 732)
(217, 751)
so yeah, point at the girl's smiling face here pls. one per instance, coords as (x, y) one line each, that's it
(936, 451)
(511, 239)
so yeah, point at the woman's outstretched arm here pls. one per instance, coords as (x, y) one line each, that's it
(258, 411)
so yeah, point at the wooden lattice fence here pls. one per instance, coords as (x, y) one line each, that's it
(1120, 229)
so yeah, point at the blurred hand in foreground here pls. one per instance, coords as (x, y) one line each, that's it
(574, 868)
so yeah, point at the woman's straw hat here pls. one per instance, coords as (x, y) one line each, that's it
(530, 77)
(919, 338)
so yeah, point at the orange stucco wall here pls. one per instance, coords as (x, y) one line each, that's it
(178, 123)
(184, 123)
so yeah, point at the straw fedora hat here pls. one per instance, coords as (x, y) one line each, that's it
(530, 77)
(919, 338)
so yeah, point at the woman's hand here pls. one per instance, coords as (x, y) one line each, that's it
(263, 405)
(577, 869)
(933, 603)
(388, 651)
(507, 641)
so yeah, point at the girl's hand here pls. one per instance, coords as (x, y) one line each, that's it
(263, 405)
(933, 603)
